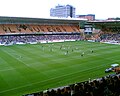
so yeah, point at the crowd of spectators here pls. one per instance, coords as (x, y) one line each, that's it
(105, 86)
(36, 38)
(106, 37)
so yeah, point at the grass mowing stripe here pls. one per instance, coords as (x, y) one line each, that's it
(49, 67)
(51, 79)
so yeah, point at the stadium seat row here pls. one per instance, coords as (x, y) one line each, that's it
(24, 28)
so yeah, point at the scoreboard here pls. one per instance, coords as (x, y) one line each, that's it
(88, 29)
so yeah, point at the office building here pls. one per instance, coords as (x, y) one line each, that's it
(63, 11)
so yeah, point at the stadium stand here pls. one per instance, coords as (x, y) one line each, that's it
(22, 39)
(37, 28)
(105, 86)
(109, 30)
(16, 30)
(113, 37)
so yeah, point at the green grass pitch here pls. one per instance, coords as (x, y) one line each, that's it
(33, 68)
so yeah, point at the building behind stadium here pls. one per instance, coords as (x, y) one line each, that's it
(63, 11)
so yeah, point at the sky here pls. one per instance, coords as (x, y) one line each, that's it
(102, 9)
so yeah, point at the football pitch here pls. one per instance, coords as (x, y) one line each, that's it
(32, 68)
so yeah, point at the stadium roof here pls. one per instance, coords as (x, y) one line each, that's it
(105, 22)
(107, 25)
(25, 20)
